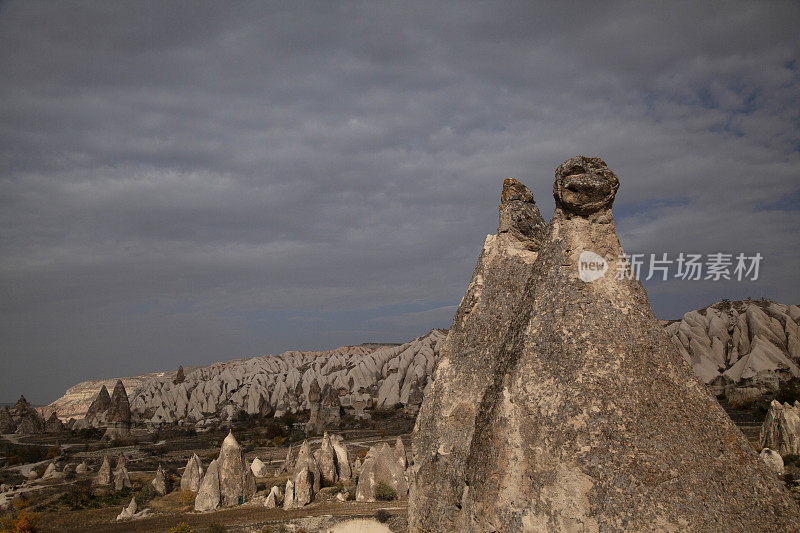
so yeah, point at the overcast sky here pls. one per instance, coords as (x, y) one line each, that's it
(184, 182)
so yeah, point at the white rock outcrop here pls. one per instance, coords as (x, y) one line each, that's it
(781, 428)
(773, 460)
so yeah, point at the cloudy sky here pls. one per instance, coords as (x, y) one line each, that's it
(185, 183)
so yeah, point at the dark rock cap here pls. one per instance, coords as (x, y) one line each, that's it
(584, 185)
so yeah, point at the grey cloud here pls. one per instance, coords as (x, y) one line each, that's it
(177, 179)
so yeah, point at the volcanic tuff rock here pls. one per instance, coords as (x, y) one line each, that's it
(591, 419)
(121, 478)
(228, 480)
(160, 481)
(104, 474)
(180, 377)
(381, 464)
(781, 428)
(773, 460)
(259, 468)
(752, 343)
(118, 416)
(129, 511)
(22, 419)
(192, 474)
(471, 355)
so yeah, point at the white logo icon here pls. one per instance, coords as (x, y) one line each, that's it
(591, 266)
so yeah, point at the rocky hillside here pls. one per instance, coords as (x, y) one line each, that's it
(76, 401)
(750, 344)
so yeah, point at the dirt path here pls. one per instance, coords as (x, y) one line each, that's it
(248, 517)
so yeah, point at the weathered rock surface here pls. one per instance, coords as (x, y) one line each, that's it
(288, 495)
(326, 460)
(343, 469)
(209, 496)
(129, 511)
(50, 472)
(230, 481)
(589, 418)
(192, 474)
(773, 460)
(381, 464)
(22, 419)
(104, 474)
(258, 468)
(306, 477)
(781, 428)
(121, 478)
(160, 481)
(180, 377)
(82, 468)
(118, 416)
(751, 343)
(472, 355)
(53, 424)
(274, 498)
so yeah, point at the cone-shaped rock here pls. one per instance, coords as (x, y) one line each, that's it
(326, 461)
(104, 474)
(471, 356)
(208, 496)
(380, 465)
(343, 469)
(160, 481)
(233, 472)
(121, 477)
(129, 511)
(192, 474)
(591, 419)
(118, 417)
(180, 377)
(288, 495)
(82, 468)
(53, 424)
(100, 404)
(781, 429)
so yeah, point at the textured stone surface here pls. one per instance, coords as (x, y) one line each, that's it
(326, 461)
(104, 474)
(781, 429)
(82, 468)
(306, 477)
(121, 478)
(233, 472)
(258, 467)
(129, 511)
(343, 468)
(160, 481)
(591, 419)
(53, 424)
(470, 356)
(381, 464)
(192, 474)
(773, 460)
(209, 496)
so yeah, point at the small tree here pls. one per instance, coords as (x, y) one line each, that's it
(385, 493)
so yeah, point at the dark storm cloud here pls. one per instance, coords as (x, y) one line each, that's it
(189, 182)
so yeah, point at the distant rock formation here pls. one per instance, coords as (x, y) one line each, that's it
(103, 477)
(22, 419)
(53, 424)
(751, 343)
(129, 511)
(180, 377)
(258, 468)
(192, 474)
(118, 418)
(381, 464)
(160, 481)
(316, 423)
(781, 429)
(589, 418)
(121, 478)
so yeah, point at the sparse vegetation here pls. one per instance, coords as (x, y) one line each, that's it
(217, 528)
(187, 497)
(383, 516)
(24, 522)
(384, 493)
(53, 452)
(181, 527)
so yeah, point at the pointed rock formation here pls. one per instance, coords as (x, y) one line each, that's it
(288, 495)
(6, 421)
(586, 417)
(209, 496)
(316, 423)
(192, 474)
(27, 419)
(400, 452)
(471, 354)
(381, 464)
(781, 429)
(129, 511)
(118, 418)
(82, 468)
(104, 474)
(121, 478)
(258, 468)
(53, 424)
(306, 477)
(274, 497)
(230, 480)
(326, 461)
(343, 469)
(179, 376)
(99, 405)
(160, 481)
(50, 472)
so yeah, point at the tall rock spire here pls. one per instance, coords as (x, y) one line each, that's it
(587, 418)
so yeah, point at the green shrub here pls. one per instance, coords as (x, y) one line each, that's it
(147, 493)
(383, 516)
(181, 527)
(384, 493)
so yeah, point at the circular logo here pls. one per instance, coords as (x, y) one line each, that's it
(591, 266)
